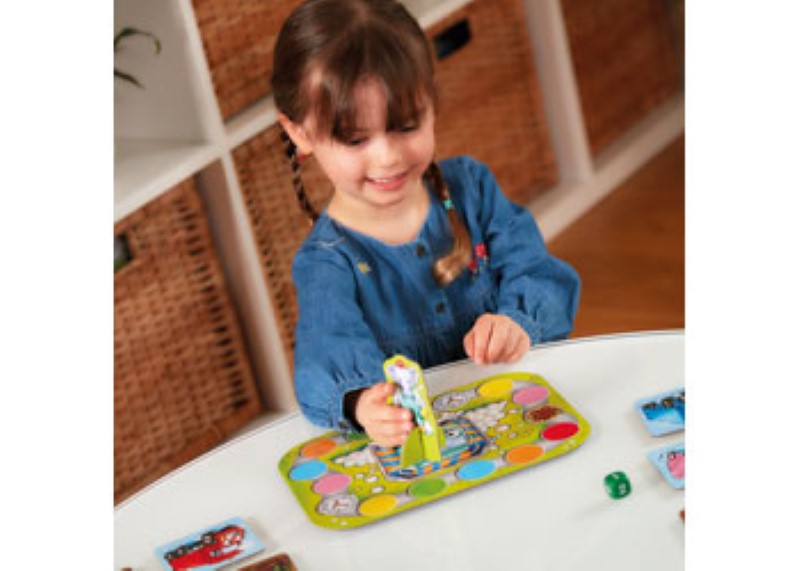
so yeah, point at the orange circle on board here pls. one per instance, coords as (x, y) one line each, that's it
(318, 448)
(378, 505)
(496, 388)
(524, 454)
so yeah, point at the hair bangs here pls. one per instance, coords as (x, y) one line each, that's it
(371, 54)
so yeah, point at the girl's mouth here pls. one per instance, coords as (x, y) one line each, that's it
(387, 183)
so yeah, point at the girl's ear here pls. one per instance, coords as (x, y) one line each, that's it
(297, 134)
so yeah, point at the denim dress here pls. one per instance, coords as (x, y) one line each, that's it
(361, 300)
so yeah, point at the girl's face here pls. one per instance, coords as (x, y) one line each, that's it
(376, 168)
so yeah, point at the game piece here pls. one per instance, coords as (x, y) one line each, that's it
(210, 548)
(492, 427)
(424, 442)
(663, 413)
(617, 485)
(670, 460)
(280, 562)
(683, 515)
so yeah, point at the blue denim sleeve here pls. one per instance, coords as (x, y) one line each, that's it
(536, 290)
(335, 351)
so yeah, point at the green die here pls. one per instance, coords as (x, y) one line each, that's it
(617, 485)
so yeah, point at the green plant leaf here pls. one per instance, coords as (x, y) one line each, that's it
(128, 31)
(127, 77)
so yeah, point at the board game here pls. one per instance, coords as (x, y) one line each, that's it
(492, 427)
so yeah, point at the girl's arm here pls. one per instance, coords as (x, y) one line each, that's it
(335, 352)
(337, 360)
(537, 291)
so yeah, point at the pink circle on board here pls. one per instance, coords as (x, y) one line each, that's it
(530, 395)
(560, 431)
(331, 484)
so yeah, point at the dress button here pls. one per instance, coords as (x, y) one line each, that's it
(420, 250)
(440, 307)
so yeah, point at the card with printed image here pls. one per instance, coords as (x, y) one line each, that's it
(211, 548)
(671, 462)
(663, 413)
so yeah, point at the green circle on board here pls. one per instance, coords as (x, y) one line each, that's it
(425, 488)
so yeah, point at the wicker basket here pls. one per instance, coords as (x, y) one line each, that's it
(625, 62)
(279, 225)
(182, 381)
(238, 39)
(491, 105)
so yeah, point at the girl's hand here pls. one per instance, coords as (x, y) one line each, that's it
(496, 339)
(386, 424)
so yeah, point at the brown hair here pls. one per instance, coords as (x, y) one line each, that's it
(325, 48)
(447, 268)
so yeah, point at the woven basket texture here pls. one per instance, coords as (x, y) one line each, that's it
(491, 104)
(182, 381)
(625, 62)
(279, 225)
(238, 39)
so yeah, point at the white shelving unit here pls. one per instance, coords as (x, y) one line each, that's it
(584, 180)
(172, 129)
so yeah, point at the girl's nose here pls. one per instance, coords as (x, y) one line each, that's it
(386, 152)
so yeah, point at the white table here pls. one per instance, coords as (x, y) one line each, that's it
(553, 516)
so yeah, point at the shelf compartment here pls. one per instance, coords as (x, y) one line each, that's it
(624, 61)
(173, 103)
(238, 39)
(491, 103)
(278, 223)
(182, 379)
(144, 168)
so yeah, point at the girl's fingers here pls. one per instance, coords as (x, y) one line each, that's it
(390, 432)
(394, 428)
(469, 344)
(496, 339)
(511, 346)
(497, 348)
(393, 415)
(388, 415)
(482, 335)
(386, 424)
(379, 393)
(521, 347)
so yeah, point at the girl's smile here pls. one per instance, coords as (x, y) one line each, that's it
(388, 183)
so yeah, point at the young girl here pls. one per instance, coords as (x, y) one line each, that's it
(412, 256)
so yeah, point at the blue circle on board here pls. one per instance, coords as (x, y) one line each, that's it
(476, 470)
(308, 470)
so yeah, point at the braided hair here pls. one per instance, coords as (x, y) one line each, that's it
(448, 267)
(297, 181)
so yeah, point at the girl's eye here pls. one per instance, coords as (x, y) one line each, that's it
(409, 128)
(355, 142)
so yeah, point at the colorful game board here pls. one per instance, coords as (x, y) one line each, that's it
(492, 427)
